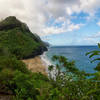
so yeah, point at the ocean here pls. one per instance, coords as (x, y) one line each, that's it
(76, 53)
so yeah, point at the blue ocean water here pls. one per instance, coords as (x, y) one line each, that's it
(76, 53)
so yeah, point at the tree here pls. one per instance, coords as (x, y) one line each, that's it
(68, 81)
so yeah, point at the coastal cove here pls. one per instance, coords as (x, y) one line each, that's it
(49, 49)
(32, 70)
(76, 53)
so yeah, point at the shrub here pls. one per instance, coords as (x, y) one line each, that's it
(12, 63)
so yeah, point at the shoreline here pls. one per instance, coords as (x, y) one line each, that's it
(38, 64)
(45, 61)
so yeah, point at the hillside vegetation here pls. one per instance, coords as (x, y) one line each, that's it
(18, 40)
(19, 83)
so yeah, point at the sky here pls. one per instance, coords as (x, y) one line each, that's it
(59, 22)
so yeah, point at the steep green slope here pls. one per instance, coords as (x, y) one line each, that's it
(16, 39)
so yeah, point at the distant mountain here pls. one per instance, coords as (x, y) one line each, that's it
(18, 40)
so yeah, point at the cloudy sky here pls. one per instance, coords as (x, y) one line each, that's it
(60, 22)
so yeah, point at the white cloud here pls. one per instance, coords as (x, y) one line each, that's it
(98, 23)
(65, 28)
(36, 13)
(96, 35)
(31, 12)
(93, 39)
(72, 27)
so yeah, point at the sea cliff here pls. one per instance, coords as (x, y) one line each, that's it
(20, 51)
(18, 40)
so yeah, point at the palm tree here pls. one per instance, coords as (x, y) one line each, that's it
(94, 53)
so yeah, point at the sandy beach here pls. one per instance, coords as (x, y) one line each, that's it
(36, 65)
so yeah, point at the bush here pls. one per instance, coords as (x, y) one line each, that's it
(24, 86)
(12, 63)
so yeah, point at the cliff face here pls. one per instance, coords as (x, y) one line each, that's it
(18, 40)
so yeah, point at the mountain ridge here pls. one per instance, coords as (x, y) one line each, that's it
(18, 40)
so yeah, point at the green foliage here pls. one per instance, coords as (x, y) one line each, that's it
(24, 86)
(18, 44)
(71, 83)
(68, 66)
(16, 37)
(16, 79)
(65, 81)
(12, 63)
(67, 84)
(94, 53)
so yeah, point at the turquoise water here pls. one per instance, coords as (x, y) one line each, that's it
(76, 53)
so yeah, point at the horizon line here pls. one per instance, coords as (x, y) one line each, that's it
(73, 45)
